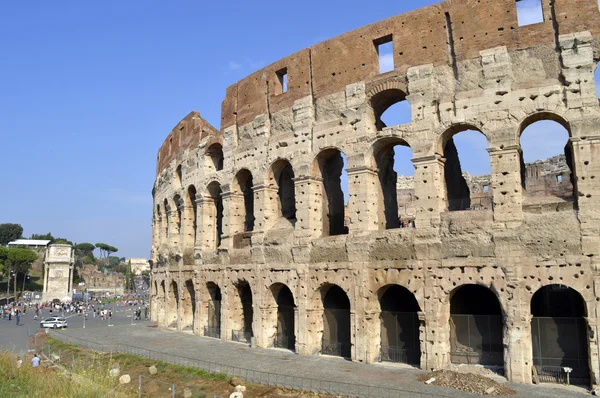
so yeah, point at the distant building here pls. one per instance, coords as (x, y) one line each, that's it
(139, 265)
(29, 243)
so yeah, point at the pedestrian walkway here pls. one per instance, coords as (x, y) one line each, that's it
(283, 362)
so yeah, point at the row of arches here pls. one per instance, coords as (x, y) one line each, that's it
(392, 161)
(476, 321)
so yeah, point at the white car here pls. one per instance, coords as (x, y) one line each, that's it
(54, 323)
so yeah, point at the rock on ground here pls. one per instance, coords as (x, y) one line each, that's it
(467, 382)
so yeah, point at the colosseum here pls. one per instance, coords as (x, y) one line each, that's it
(254, 241)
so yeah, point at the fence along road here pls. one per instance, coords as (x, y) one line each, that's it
(350, 390)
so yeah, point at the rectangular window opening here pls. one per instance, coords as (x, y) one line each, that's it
(282, 76)
(385, 53)
(529, 12)
(559, 179)
(486, 188)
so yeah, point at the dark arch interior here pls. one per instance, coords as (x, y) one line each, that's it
(192, 293)
(166, 224)
(178, 207)
(246, 297)
(214, 190)
(245, 183)
(474, 300)
(399, 326)
(215, 151)
(336, 323)
(192, 200)
(331, 165)
(557, 301)
(285, 319)
(284, 175)
(559, 334)
(476, 326)
(179, 174)
(213, 328)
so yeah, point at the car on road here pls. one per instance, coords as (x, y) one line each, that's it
(54, 322)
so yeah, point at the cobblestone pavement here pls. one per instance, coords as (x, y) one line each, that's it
(287, 363)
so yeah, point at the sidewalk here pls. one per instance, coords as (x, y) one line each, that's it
(283, 362)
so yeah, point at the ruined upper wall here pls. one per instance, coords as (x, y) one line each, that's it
(186, 134)
(444, 33)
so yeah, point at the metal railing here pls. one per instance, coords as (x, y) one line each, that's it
(337, 348)
(241, 336)
(284, 341)
(292, 382)
(401, 355)
(212, 332)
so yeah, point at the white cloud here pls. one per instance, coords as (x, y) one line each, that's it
(234, 65)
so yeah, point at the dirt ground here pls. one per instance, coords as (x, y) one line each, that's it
(467, 382)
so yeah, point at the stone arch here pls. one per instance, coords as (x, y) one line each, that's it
(177, 213)
(178, 176)
(173, 305)
(399, 325)
(191, 218)
(382, 96)
(242, 217)
(559, 333)
(281, 177)
(159, 225)
(336, 323)
(212, 303)
(188, 305)
(280, 313)
(476, 326)
(213, 212)
(214, 154)
(241, 313)
(391, 202)
(558, 177)
(458, 191)
(329, 165)
(167, 222)
(162, 310)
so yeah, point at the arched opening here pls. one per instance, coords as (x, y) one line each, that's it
(213, 324)
(559, 335)
(173, 305)
(467, 169)
(215, 152)
(475, 326)
(243, 185)
(336, 322)
(179, 175)
(178, 216)
(167, 219)
(285, 336)
(332, 168)
(242, 314)
(396, 196)
(215, 215)
(283, 175)
(546, 160)
(390, 108)
(193, 217)
(162, 310)
(189, 305)
(159, 227)
(399, 325)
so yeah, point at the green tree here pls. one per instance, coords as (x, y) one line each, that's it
(47, 236)
(17, 260)
(105, 251)
(113, 261)
(85, 249)
(62, 241)
(10, 232)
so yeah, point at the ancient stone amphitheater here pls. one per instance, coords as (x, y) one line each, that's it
(252, 240)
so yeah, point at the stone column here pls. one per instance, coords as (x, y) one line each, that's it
(518, 356)
(363, 208)
(435, 340)
(231, 212)
(187, 233)
(199, 226)
(225, 306)
(309, 208)
(266, 212)
(506, 186)
(430, 190)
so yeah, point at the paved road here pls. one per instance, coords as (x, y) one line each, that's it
(15, 338)
(283, 361)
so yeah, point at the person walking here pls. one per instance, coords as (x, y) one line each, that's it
(18, 316)
(35, 361)
(146, 313)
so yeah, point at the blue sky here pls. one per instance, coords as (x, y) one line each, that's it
(90, 89)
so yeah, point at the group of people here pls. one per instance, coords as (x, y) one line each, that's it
(13, 310)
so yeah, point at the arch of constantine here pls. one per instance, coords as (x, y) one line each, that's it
(253, 240)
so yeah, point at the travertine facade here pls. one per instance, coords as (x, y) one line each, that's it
(58, 272)
(249, 238)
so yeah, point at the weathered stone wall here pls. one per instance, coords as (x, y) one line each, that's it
(58, 273)
(460, 64)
